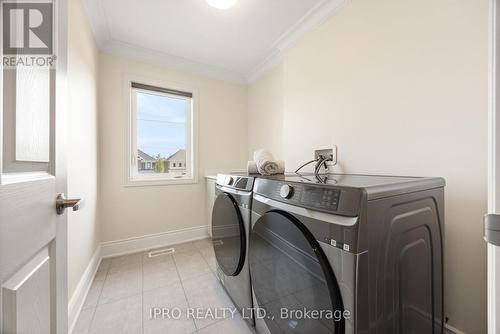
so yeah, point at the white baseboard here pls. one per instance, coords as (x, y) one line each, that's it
(82, 289)
(137, 244)
(452, 330)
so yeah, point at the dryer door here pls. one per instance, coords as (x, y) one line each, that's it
(292, 279)
(228, 234)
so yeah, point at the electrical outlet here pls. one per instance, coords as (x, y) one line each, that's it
(327, 152)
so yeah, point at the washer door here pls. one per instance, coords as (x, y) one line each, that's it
(292, 280)
(228, 234)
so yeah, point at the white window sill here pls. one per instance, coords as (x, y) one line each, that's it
(159, 182)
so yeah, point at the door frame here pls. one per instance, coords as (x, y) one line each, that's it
(60, 251)
(494, 164)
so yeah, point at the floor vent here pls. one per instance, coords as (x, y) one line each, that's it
(160, 252)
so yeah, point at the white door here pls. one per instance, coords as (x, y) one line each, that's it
(33, 250)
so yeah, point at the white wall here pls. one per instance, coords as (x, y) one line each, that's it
(137, 211)
(401, 88)
(82, 154)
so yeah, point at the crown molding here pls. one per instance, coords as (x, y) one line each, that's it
(105, 42)
(98, 21)
(272, 59)
(154, 57)
(310, 21)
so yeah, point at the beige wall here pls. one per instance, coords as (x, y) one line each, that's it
(265, 110)
(136, 211)
(401, 88)
(83, 228)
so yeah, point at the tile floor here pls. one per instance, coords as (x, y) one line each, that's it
(126, 288)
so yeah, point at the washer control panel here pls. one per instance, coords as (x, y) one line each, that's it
(338, 200)
(239, 182)
(325, 199)
(321, 198)
(286, 191)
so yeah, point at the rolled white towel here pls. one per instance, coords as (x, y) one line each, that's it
(252, 168)
(277, 167)
(280, 169)
(266, 165)
(262, 154)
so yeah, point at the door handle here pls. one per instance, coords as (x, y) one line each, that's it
(492, 229)
(62, 203)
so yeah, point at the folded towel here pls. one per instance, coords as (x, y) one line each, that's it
(271, 169)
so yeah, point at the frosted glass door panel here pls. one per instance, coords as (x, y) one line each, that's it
(32, 114)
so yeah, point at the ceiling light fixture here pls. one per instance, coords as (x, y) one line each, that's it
(221, 4)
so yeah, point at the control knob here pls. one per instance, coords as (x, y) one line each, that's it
(286, 191)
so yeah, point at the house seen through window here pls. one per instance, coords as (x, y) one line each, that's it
(162, 119)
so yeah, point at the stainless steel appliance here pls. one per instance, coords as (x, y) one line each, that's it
(347, 254)
(230, 233)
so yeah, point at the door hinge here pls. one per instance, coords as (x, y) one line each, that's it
(492, 229)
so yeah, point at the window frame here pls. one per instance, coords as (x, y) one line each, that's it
(132, 176)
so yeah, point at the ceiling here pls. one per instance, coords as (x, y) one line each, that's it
(237, 44)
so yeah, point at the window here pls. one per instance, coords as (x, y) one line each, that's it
(161, 131)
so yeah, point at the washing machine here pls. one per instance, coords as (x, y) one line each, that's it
(230, 234)
(347, 254)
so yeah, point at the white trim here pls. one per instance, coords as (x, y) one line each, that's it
(271, 60)
(160, 182)
(102, 36)
(493, 267)
(82, 289)
(1, 100)
(492, 119)
(311, 20)
(452, 330)
(98, 21)
(154, 57)
(142, 243)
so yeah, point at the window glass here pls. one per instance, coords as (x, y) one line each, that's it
(161, 128)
